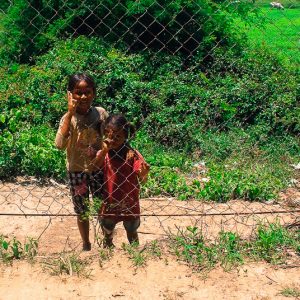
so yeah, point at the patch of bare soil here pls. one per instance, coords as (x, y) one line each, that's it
(117, 278)
(160, 279)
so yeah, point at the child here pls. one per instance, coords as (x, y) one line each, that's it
(80, 132)
(123, 169)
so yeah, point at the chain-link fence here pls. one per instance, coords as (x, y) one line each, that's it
(211, 87)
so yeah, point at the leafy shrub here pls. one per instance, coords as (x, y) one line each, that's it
(217, 114)
(14, 249)
(271, 241)
(31, 151)
(180, 25)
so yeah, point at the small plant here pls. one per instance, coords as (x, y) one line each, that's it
(137, 256)
(230, 250)
(93, 208)
(14, 249)
(271, 242)
(67, 263)
(191, 246)
(154, 250)
(104, 255)
(290, 292)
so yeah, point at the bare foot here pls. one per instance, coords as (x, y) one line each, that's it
(86, 246)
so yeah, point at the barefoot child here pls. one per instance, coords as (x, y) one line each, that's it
(124, 169)
(80, 132)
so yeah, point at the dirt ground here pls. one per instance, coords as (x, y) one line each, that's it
(164, 278)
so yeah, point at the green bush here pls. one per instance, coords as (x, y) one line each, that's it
(174, 106)
(31, 151)
(31, 27)
(234, 115)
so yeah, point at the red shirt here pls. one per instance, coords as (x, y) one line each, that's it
(121, 186)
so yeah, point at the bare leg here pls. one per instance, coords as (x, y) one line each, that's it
(108, 238)
(84, 229)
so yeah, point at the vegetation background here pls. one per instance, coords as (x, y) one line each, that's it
(209, 84)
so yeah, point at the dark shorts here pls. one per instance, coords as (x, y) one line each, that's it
(82, 185)
(129, 225)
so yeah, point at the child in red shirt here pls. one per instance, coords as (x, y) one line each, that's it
(124, 169)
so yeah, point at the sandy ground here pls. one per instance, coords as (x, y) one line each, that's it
(164, 278)
(117, 279)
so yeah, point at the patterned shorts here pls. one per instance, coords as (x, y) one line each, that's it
(81, 186)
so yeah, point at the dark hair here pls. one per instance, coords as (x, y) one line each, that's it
(75, 78)
(119, 121)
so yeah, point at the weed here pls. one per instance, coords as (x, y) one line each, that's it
(68, 263)
(290, 292)
(93, 208)
(192, 248)
(154, 250)
(104, 255)
(14, 249)
(271, 241)
(230, 250)
(137, 256)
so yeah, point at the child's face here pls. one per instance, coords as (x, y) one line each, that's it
(84, 94)
(116, 136)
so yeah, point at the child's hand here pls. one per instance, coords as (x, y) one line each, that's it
(72, 103)
(143, 172)
(106, 145)
(91, 152)
(100, 155)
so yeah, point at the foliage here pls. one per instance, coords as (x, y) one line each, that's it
(139, 256)
(30, 151)
(290, 292)
(14, 249)
(32, 27)
(202, 254)
(236, 113)
(69, 264)
(229, 250)
(156, 91)
(272, 240)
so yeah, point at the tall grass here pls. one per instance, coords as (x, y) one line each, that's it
(277, 30)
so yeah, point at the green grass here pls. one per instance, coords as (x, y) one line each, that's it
(11, 249)
(269, 244)
(136, 255)
(290, 292)
(285, 3)
(236, 164)
(277, 30)
(68, 263)
(139, 256)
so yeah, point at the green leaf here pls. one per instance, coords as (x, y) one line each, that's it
(2, 118)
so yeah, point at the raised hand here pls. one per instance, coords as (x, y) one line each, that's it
(143, 172)
(72, 103)
(106, 145)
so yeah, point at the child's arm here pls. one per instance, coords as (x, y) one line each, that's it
(72, 104)
(63, 133)
(100, 156)
(141, 167)
(143, 172)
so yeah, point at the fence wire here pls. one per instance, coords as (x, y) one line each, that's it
(37, 202)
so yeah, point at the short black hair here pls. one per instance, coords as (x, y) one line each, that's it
(75, 78)
(119, 121)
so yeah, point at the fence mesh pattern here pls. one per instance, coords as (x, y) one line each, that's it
(139, 52)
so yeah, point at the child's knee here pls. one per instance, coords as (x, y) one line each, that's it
(108, 225)
(132, 226)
